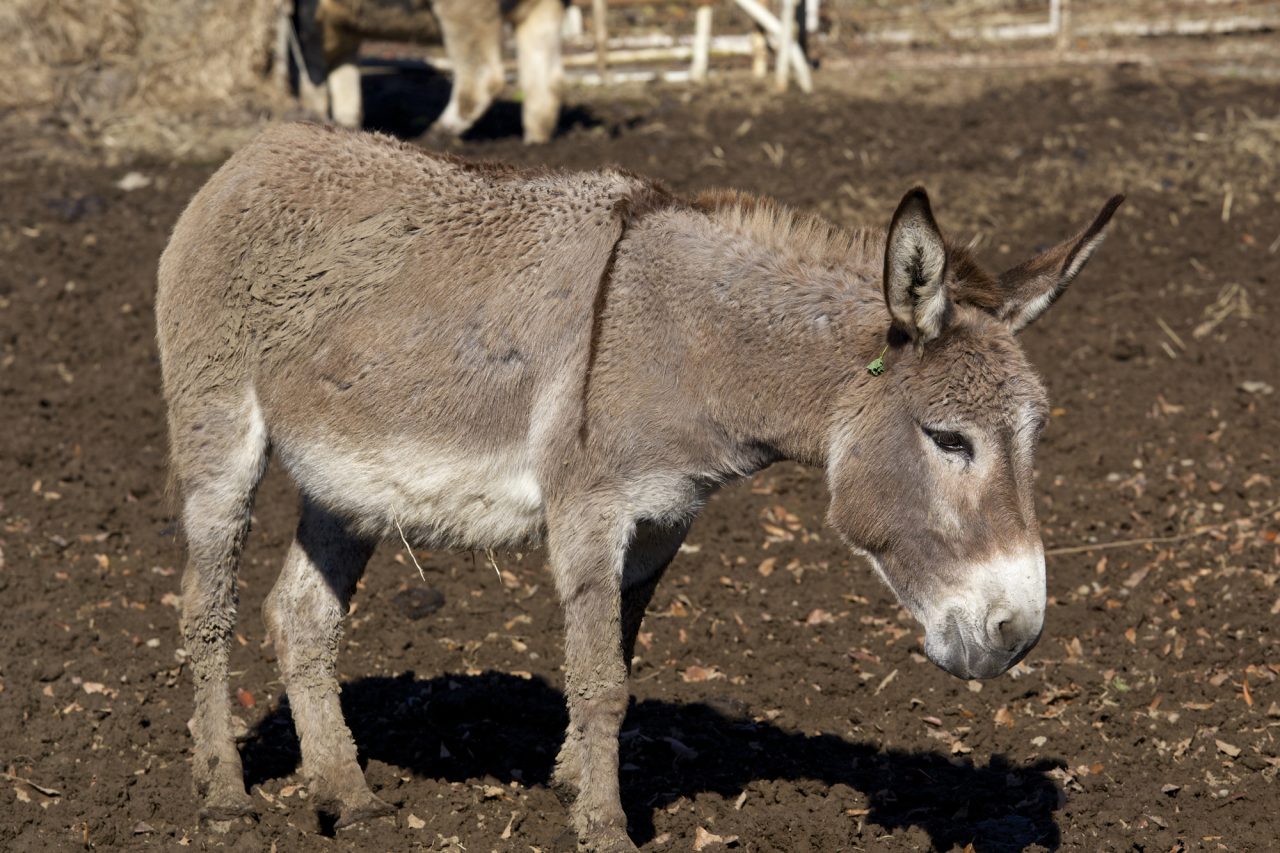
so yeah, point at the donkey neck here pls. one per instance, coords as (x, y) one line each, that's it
(777, 314)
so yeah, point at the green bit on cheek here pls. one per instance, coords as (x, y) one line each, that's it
(876, 367)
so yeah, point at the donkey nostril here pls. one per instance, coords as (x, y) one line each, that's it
(1002, 628)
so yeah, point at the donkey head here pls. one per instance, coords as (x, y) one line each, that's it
(931, 462)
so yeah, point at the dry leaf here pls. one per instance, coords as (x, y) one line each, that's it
(694, 674)
(1227, 748)
(885, 682)
(766, 566)
(703, 839)
(245, 698)
(818, 616)
(1137, 577)
(680, 749)
(1003, 717)
(416, 822)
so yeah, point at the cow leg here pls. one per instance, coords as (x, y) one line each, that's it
(342, 51)
(345, 104)
(219, 455)
(592, 562)
(473, 41)
(304, 613)
(313, 90)
(541, 73)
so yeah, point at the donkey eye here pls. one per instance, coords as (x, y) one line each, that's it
(951, 442)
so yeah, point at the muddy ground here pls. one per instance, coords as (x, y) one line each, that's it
(781, 697)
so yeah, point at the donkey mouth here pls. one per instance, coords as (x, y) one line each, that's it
(955, 648)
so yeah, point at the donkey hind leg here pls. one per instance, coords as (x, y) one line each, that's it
(219, 461)
(596, 662)
(540, 69)
(651, 550)
(473, 42)
(304, 613)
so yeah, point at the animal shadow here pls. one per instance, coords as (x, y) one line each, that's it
(404, 98)
(509, 728)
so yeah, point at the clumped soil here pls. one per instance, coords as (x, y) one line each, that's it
(781, 697)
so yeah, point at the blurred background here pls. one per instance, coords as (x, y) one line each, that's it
(782, 700)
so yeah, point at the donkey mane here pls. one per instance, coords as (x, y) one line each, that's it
(808, 238)
(794, 234)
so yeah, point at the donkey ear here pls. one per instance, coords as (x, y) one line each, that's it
(915, 267)
(1031, 287)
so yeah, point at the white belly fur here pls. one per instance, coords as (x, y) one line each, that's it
(439, 499)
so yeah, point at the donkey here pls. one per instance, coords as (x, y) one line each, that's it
(471, 30)
(479, 356)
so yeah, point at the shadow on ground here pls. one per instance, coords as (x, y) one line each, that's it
(509, 728)
(404, 98)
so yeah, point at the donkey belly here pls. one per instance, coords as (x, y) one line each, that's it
(437, 498)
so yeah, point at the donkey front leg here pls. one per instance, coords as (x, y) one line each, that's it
(586, 558)
(304, 614)
(606, 576)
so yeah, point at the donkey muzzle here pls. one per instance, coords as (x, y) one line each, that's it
(984, 634)
(985, 653)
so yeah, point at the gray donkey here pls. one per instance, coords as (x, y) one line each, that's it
(471, 31)
(481, 357)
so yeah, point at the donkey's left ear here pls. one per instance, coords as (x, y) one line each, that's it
(915, 269)
(1031, 287)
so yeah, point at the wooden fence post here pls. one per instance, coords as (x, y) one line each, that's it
(598, 10)
(701, 43)
(786, 43)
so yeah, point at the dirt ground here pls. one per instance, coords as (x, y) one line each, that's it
(781, 698)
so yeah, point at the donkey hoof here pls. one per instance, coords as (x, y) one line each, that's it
(366, 810)
(612, 840)
(228, 808)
